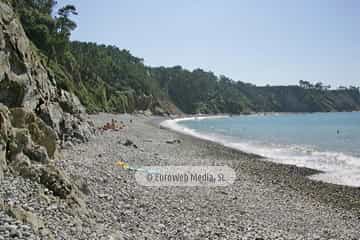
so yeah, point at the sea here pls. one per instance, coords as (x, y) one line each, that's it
(329, 142)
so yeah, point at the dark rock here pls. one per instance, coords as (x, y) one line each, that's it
(37, 154)
(54, 180)
(129, 143)
(84, 187)
(173, 141)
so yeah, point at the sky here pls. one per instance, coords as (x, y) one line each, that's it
(275, 42)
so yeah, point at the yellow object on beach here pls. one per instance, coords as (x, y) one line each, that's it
(126, 166)
(122, 164)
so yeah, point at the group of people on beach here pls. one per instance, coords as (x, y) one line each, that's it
(114, 125)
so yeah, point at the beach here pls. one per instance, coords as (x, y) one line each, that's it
(266, 201)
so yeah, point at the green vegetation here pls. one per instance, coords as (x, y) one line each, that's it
(206, 93)
(106, 78)
(116, 79)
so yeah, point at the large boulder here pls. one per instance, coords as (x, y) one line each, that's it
(52, 115)
(76, 129)
(21, 147)
(41, 134)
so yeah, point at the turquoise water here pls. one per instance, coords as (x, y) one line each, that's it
(329, 142)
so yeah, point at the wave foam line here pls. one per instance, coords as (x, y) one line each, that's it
(338, 168)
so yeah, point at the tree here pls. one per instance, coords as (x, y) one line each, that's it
(42, 6)
(302, 83)
(61, 36)
(319, 86)
(305, 84)
(64, 25)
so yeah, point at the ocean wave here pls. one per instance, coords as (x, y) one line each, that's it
(338, 167)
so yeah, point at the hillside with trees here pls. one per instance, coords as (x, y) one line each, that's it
(106, 78)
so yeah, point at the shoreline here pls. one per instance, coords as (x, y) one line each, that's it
(204, 116)
(343, 196)
(266, 152)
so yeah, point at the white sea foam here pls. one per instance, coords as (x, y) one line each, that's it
(338, 168)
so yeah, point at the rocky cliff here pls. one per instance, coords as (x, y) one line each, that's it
(36, 116)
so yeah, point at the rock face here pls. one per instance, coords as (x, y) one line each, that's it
(35, 114)
(156, 106)
(4, 133)
(24, 81)
(40, 132)
(70, 103)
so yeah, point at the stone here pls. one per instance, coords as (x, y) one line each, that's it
(37, 154)
(52, 115)
(84, 188)
(14, 232)
(73, 129)
(27, 217)
(21, 164)
(173, 141)
(129, 143)
(21, 140)
(40, 132)
(105, 196)
(55, 180)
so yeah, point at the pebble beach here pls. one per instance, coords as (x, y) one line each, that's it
(266, 201)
